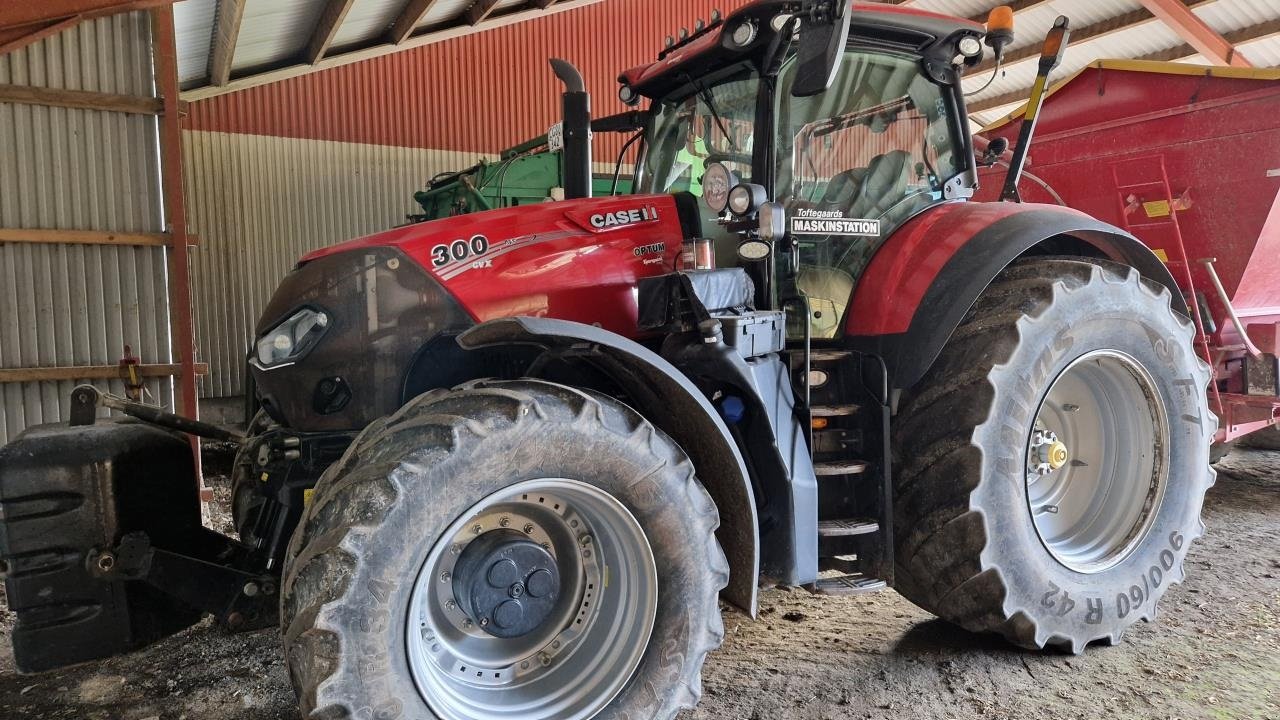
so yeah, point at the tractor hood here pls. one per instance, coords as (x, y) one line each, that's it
(357, 323)
(574, 260)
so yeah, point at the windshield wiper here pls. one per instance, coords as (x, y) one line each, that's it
(710, 100)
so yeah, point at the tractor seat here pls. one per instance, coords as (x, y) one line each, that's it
(884, 185)
(842, 189)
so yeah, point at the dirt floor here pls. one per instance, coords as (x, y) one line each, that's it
(1215, 653)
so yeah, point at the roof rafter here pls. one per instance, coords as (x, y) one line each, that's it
(335, 11)
(1196, 32)
(482, 9)
(453, 28)
(1110, 26)
(22, 23)
(412, 14)
(226, 30)
(1017, 6)
(1261, 31)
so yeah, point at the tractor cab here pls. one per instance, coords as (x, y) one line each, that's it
(823, 171)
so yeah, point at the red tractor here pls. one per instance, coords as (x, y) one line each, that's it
(507, 463)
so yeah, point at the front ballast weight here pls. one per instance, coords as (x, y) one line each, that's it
(107, 513)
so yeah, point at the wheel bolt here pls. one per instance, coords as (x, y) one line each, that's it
(544, 659)
(450, 605)
(484, 622)
(528, 529)
(467, 623)
(476, 528)
(504, 522)
(444, 576)
(585, 540)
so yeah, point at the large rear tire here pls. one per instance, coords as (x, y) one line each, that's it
(1052, 464)
(462, 489)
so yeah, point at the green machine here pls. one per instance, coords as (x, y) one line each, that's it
(523, 174)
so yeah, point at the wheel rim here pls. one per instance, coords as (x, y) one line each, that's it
(576, 661)
(1097, 461)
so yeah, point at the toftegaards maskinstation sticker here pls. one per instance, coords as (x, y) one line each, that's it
(807, 221)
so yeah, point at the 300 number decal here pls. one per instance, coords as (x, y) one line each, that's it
(459, 250)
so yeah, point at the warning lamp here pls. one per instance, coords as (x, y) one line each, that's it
(1000, 29)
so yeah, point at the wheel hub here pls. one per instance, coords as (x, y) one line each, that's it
(1097, 461)
(506, 583)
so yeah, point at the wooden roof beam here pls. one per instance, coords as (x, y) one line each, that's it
(335, 11)
(226, 31)
(412, 14)
(1119, 23)
(19, 14)
(1017, 6)
(482, 9)
(1196, 32)
(1261, 31)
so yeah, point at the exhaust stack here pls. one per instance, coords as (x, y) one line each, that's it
(576, 158)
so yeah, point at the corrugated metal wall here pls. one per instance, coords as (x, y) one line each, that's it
(259, 203)
(481, 92)
(278, 170)
(66, 305)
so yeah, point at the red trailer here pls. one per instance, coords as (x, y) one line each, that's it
(1187, 158)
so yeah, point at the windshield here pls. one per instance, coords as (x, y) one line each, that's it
(710, 119)
(706, 121)
(856, 162)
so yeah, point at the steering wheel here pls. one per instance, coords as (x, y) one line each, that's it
(725, 157)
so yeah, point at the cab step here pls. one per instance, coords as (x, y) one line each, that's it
(846, 528)
(845, 467)
(829, 411)
(846, 585)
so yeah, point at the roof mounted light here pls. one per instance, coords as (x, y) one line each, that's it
(745, 33)
(628, 96)
(969, 46)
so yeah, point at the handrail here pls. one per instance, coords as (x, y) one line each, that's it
(1231, 311)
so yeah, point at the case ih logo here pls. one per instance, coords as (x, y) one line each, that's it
(621, 218)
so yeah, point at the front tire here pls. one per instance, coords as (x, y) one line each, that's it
(378, 612)
(1052, 464)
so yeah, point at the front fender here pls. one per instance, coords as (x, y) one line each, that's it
(668, 399)
(924, 278)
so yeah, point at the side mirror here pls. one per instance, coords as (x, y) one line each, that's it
(824, 30)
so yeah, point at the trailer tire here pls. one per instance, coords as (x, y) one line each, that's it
(362, 578)
(979, 541)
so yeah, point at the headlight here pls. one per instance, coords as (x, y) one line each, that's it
(292, 338)
(744, 199)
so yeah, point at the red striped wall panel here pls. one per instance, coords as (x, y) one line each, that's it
(478, 93)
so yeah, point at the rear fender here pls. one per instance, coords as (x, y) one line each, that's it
(668, 399)
(923, 280)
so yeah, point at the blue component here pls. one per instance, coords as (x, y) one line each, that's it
(733, 409)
